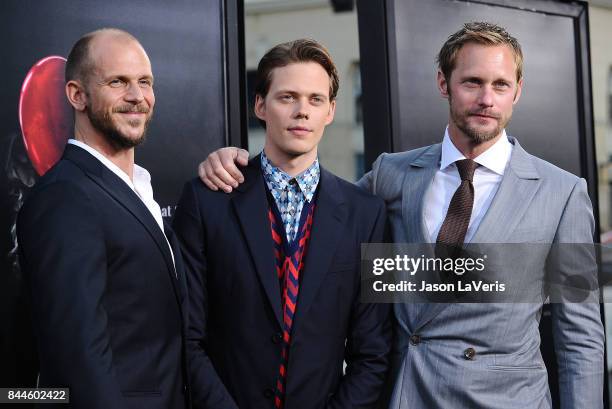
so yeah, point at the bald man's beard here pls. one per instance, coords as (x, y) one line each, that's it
(103, 122)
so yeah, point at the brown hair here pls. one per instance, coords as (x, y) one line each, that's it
(480, 33)
(302, 50)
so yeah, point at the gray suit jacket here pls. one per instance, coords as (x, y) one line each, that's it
(536, 202)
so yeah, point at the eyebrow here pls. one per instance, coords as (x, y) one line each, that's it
(287, 91)
(480, 80)
(125, 77)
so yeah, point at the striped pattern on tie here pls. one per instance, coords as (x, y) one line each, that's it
(288, 269)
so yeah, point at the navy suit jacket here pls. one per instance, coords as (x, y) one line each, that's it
(106, 303)
(235, 300)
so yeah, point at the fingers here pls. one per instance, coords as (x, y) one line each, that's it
(207, 175)
(227, 159)
(202, 172)
(242, 157)
(219, 170)
(216, 173)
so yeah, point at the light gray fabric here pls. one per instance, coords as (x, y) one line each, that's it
(536, 202)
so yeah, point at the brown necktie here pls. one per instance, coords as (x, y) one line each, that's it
(457, 218)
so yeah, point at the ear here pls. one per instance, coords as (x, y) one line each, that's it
(76, 95)
(260, 107)
(442, 84)
(519, 91)
(331, 112)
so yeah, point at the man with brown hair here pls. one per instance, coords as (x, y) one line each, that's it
(273, 268)
(480, 186)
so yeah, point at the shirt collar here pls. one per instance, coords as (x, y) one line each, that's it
(141, 176)
(277, 179)
(495, 158)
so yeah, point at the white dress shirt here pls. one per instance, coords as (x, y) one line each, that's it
(487, 178)
(141, 184)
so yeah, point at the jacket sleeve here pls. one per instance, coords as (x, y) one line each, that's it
(368, 344)
(368, 181)
(207, 389)
(577, 328)
(63, 255)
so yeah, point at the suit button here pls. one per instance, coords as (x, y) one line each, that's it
(269, 393)
(469, 353)
(415, 339)
(277, 338)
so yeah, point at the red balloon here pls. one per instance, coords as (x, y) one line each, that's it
(44, 113)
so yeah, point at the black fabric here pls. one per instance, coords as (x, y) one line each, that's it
(106, 303)
(235, 317)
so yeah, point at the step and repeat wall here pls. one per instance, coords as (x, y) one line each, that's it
(189, 43)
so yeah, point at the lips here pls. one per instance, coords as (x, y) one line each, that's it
(299, 130)
(130, 110)
(477, 115)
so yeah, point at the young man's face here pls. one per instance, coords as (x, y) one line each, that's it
(296, 110)
(482, 91)
(120, 91)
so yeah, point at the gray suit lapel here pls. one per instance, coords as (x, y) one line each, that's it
(420, 177)
(515, 193)
(415, 185)
(518, 187)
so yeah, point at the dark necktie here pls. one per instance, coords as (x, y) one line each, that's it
(457, 218)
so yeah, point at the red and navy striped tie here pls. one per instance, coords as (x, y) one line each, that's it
(288, 269)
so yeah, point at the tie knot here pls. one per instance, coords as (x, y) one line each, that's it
(466, 169)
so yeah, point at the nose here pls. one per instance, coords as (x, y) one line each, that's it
(301, 110)
(134, 93)
(485, 98)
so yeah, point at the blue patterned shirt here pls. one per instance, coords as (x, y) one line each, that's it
(290, 193)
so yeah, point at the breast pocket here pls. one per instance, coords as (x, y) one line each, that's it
(530, 235)
(335, 295)
(343, 266)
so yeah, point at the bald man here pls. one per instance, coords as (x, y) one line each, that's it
(105, 274)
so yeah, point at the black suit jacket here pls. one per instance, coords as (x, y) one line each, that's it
(106, 301)
(235, 303)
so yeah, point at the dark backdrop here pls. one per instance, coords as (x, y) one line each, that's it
(190, 44)
(552, 120)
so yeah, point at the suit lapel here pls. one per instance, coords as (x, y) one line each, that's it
(328, 220)
(122, 193)
(422, 172)
(414, 188)
(516, 190)
(251, 206)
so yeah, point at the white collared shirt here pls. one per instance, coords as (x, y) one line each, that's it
(141, 184)
(487, 179)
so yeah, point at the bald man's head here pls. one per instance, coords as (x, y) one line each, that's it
(109, 83)
(80, 63)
